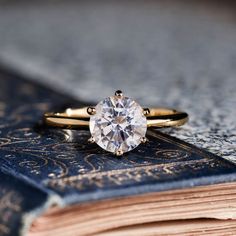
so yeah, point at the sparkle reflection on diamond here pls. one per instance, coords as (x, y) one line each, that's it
(119, 124)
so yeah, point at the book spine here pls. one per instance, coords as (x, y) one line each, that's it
(20, 204)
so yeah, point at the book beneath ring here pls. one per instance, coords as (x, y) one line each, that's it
(52, 182)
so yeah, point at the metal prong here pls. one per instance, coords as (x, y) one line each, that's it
(91, 110)
(144, 140)
(119, 153)
(146, 111)
(118, 93)
(91, 140)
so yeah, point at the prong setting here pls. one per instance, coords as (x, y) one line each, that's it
(91, 111)
(146, 111)
(91, 140)
(118, 93)
(144, 140)
(119, 153)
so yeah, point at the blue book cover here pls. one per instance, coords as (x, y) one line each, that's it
(41, 167)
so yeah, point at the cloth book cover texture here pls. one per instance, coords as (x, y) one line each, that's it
(41, 166)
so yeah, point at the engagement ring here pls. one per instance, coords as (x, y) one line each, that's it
(118, 124)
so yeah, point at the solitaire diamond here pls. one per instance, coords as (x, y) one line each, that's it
(118, 124)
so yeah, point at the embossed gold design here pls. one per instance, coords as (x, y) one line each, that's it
(119, 177)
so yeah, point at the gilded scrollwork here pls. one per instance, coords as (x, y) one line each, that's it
(123, 176)
(172, 154)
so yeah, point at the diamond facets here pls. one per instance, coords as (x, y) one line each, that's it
(118, 125)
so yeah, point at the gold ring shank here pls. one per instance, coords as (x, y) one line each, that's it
(77, 118)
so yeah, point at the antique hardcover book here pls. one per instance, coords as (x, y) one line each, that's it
(52, 182)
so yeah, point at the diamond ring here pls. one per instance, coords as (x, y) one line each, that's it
(118, 124)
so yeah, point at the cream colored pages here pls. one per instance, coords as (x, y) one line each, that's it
(171, 209)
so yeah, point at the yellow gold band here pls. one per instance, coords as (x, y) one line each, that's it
(77, 118)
